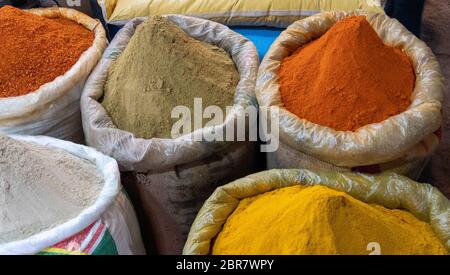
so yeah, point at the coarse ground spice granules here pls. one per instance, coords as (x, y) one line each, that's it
(347, 78)
(35, 50)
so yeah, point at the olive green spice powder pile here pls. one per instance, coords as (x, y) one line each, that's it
(161, 68)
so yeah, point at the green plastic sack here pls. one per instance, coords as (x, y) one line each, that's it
(390, 190)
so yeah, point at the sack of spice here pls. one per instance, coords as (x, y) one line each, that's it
(169, 179)
(296, 211)
(59, 197)
(273, 13)
(47, 54)
(354, 91)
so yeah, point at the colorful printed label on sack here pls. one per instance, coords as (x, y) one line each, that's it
(94, 240)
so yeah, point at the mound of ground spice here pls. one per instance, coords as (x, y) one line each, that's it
(163, 67)
(320, 220)
(347, 78)
(35, 50)
(42, 187)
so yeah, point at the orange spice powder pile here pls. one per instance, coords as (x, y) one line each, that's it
(35, 50)
(347, 78)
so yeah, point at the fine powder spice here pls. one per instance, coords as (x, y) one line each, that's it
(41, 188)
(34, 50)
(347, 78)
(161, 68)
(321, 220)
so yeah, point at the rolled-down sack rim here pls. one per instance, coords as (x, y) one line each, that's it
(371, 144)
(388, 189)
(271, 13)
(143, 155)
(51, 91)
(110, 172)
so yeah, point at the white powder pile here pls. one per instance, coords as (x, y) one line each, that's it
(41, 188)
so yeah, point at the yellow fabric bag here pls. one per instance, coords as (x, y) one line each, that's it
(390, 190)
(231, 12)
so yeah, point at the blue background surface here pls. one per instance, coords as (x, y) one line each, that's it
(263, 37)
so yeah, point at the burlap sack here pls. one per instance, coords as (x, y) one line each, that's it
(172, 177)
(401, 143)
(169, 200)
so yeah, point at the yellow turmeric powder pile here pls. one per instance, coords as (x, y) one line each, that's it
(320, 220)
